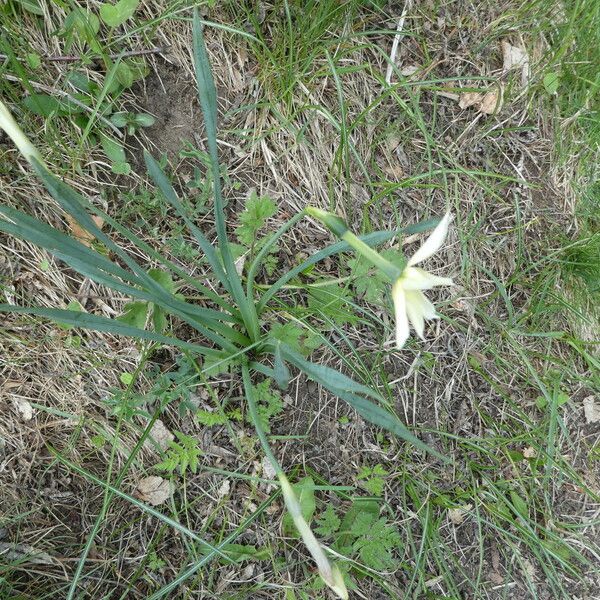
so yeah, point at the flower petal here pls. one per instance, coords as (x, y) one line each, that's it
(433, 243)
(414, 278)
(414, 310)
(402, 329)
(428, 308)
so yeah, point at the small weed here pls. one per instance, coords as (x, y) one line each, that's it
(181, 455)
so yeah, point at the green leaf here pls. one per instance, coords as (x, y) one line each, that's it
(294, 336)
(519, 505)
(116, 14)
(32, 6)
(119, 119)
(124, 75)
(376, 544)
(333, 301)
(163, 278)
(73, 306)
(181, 455)
(113, 149)
(34, 60)
(45, 105)
(328, 523)
(121, 168)
(135, 314)
(82, 26)
(269, 403)
(368, 282)
(361, 514)
(282, 373)
(372, 479)
(255, 214)
(239, 553)
(305, 492)
(159, 319)
(551, 82)
(144, 120)
(126, 378)
(210, 419)
(116, 154)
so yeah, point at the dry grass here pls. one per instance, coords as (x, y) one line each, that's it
(471, 386)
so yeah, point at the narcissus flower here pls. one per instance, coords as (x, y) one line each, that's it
(408, 283)
(7, 122)
(410, 303)
(329, 572)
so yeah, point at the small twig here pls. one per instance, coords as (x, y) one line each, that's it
(127, 54)
(51, 90)
(399, 35)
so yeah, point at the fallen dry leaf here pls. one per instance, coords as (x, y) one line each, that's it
(528, 569)
(154, 490)
(224, 489)
(267, 469)
(488, 103)
(591, 410)
(239, 264)
(161, 435)
(469, 99)
(457, 515)
(24, 409)
(85, 237)
(496, 578)
(409, 70)
(25, 553)
(491, 103)
(514, 57)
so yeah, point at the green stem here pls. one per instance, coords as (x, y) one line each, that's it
(338, 227)
(254, 416)
(391, 271)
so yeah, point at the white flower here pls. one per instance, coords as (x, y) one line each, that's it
(9, 125)
(330, 573)
(410, 303)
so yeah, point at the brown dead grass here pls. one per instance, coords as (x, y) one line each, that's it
(52, 510)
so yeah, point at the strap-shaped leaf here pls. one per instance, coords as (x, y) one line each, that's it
(101, 270)
(354, 394)
(326, 376)
(106, 325)
(75, 205)
(281, 372)
(23, 226)
(382, 418)
(169, 265)
(207, 95)
(163, 183)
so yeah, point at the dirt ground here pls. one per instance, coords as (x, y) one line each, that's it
(54, 386)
